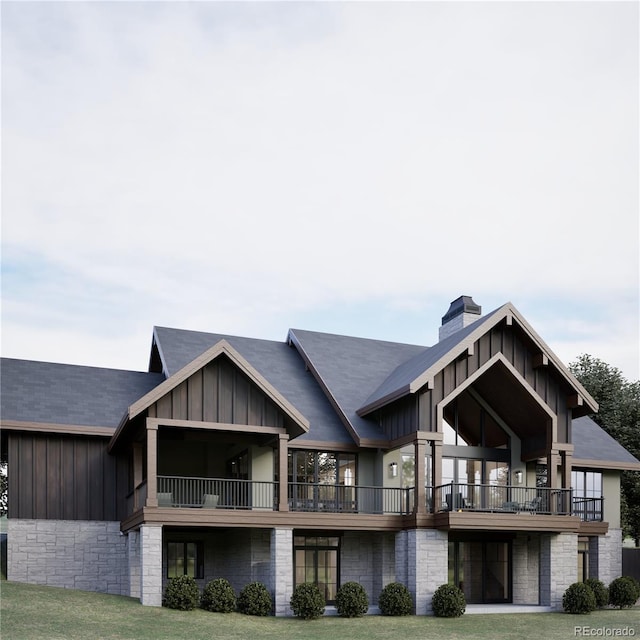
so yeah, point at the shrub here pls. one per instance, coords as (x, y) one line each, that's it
(351, 600)
(182, 593)
(624, 592)
(600, 591)
(395, 600)
(579, 598)
(307, 601)
(219, 596)
(448, 601)
(255, 600)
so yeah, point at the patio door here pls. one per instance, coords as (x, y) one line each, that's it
(316, 561)
(482, 569)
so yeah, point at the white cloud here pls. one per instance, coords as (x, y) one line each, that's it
(232, 165)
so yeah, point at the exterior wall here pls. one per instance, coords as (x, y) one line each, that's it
(133, 550)
(558, 566)
(368, 558)
(422, 564)
(605, 556)
(526, 569)
(85, 555)
(611, 494)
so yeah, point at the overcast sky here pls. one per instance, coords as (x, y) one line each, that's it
(244, 168)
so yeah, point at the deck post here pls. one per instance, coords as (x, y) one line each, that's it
(283, 498)
(152, 465)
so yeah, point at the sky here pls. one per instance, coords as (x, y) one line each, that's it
(246, 168)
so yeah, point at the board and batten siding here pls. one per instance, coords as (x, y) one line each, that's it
(219, 392)
(61, 477)
(408, 414)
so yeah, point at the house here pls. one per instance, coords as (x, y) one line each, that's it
(323, 458)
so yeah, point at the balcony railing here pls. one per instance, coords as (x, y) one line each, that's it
(309, 496)
(502, 498)
(224, 493)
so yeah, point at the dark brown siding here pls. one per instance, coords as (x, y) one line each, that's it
(400, 418)
(65, 478)
(219, 392)
(519, 350)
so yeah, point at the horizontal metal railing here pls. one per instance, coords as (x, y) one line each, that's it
(502, 498)
(588, 509)
(309, 496)
(224, 493)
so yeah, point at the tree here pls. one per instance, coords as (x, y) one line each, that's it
(619, 416)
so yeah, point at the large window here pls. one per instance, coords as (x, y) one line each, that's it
(316, 561)
(587, 494)
(185, 559)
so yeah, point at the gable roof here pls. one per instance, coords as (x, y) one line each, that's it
(594, 447)
(219, 348)
(277, 362)
(347, 368)
(64, 394)
(413, 374)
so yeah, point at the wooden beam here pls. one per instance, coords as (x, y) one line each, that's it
(540, 360)
(574, 401)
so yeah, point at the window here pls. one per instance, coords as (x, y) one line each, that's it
(185, 559)
(583, 560)
(316, 561)
(587, 494)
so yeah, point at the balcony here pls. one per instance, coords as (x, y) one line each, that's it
(193, 493)
(505, 499)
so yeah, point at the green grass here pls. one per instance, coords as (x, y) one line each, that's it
(30, 612)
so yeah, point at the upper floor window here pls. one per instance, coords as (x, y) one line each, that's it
(322, 467)
(586, 484)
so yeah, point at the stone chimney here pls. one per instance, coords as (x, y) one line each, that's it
(462, 312)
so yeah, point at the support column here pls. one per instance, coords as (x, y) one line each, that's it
(152, 465)
(282, 570)
(420, 476)
(137, 474)
(565, 470)
(283, 472)
(605, 556)
(552, 479)
(558, 566)
(436, 469)
(421, 564)
(151, 565)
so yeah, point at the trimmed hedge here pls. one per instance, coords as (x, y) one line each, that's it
(255, 600)
(579, 599)
(624, 592)
(181, 593)
(219, 596)
(307, 601)
(448, 601)
(395, 600)
(352, 600)
(600, 591)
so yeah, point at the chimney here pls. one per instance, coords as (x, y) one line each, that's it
(462, 312)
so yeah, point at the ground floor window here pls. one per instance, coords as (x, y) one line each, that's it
(481, 569)
(185, 559)
(316, 560)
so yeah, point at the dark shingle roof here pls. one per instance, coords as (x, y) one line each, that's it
(51, 393)
(276, 361)
(591, 442)
(351, 367)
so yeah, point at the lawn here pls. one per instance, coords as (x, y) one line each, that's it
(30, 612)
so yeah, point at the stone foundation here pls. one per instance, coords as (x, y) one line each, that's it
(558, 567)
(88, 555)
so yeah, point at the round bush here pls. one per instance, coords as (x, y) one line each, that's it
(624, 592)
(219, 596)
(351, 600)
(600, 591)
(255, 600)
(448, 601)
(578, 598)
(182, 593)
(307, 601)
(395, 600)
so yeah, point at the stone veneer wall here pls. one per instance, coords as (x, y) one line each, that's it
(558, 566)
(89, 555)
(605, 556)
(151, 565)
(422, 564)
(526, 569)
(281, 569)
(368, 558)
